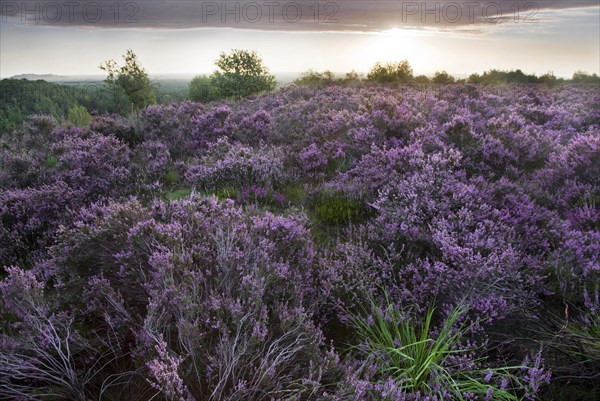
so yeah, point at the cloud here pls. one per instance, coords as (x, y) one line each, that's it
(277, 15)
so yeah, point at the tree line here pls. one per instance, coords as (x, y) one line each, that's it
(242, 73)
(239, 74)
(402, 72)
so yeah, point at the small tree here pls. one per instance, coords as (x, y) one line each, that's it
(353, 76)
(391, 72)
(422, 79)
(203, 89)
(242, 73)
(132, 78)
(584, 77)
(549, 79)
(79, 116)
(442, 78)
(314, 78)
(474, 78)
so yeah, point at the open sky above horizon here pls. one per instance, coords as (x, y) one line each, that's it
(185, 37)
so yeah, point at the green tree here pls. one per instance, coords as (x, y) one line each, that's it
(474, 78)
(549, 79)
(242, 73)
(314, 78)
(391, 72)
(203, 89)
(584, 77)
(442, 78)
(353, 76)
(132, 78)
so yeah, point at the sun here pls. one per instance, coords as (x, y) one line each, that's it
(396, 33)
(393, 45)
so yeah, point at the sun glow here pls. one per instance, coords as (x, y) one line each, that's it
(396, 33)
(393, 45)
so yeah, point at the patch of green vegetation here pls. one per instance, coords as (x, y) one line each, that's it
(589, 199)
(178, 194)
(51, 161)
(295, 194)
(79, 116)
(418, 358)
(336, 209)
(171, 178)
(226, 193)
(222, 193)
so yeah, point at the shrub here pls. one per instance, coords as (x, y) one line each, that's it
(117, 127)
(442, 77)
(97, 166)
(254, 128)
(391, 72)
(79, 116)
(234, 293)
(30, 217)
(227, 164)
(313, 78)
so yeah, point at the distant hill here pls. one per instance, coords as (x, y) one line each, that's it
(35, 77)
(58, 78)
(282, 77)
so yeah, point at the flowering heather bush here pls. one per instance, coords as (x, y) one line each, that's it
(214, 304)
(97, 166)
(30, 218)
(19, 170)
(211, 125)
(254, 128)
(117, 127)
(234, 164)
(171, 125)
(151, 161)
(264, 249)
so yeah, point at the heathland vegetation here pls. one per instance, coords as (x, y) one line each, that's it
(341, 239)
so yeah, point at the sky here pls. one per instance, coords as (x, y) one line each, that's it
(69, 37)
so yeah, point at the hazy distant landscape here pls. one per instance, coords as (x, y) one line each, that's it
(414, 215)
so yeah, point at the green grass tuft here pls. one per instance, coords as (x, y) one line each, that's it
(417, 360)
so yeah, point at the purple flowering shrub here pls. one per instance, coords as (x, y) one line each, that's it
(225, 251)
(118, 127)
(30, 218)
(171, 125)
(19, 170)
(205, 301)
(151, 162)
(211, 125)
(97, 166)
(233, 164)
(254, 128)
